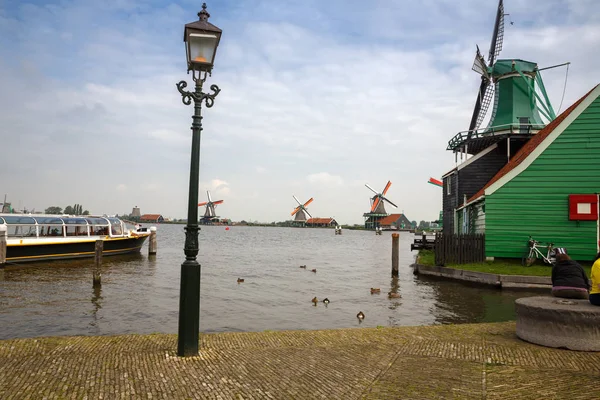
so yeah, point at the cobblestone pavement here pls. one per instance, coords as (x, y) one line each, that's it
(474, 361)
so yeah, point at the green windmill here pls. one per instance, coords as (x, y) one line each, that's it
(520, 101)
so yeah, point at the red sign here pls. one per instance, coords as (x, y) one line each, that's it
(583, 207)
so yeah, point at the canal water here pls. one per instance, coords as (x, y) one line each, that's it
(140, 294)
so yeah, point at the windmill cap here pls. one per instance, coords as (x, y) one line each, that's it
(560, 250)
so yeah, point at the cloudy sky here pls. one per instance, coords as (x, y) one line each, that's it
(318, 98)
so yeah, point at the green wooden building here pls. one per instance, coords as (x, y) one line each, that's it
(549, 189)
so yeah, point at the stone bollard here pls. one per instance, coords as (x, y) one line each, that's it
(395, 253)
(2, 246)
(152, 244)
(98, 263)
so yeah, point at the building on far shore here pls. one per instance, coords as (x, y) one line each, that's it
(136, 212)
(395, 221)
(157, 218)
(321, 222)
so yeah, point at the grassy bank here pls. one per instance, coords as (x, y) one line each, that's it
(499, 266)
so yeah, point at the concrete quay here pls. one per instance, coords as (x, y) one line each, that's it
(484, 278)
(472, 361)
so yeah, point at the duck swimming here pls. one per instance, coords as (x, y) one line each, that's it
(326, 300)
(240, 280)
(313, 270)
(360, 315)
(394, 295)
(375, 290)
(315, 300)
(303, 266)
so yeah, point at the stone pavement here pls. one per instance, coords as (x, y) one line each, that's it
(474, 361)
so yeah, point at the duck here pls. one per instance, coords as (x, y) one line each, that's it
(392, 295)
(375, 290)
(360, 315)
(303, 266)
(326, 300)
(313, 270)
(315, 300)
(240, 280)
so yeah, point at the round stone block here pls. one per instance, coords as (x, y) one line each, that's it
(556, 322)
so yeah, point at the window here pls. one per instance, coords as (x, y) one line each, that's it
(447, 185)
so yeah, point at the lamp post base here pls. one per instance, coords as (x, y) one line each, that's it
(189, 309)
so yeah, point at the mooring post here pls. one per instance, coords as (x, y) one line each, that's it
(152, 245)
(98, 263)
(395, 253)
(2, 245)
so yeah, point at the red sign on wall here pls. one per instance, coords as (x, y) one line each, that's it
(583, 207)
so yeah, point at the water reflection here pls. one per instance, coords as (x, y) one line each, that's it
(96, 304)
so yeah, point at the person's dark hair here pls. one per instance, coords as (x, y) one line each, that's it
(562, 257)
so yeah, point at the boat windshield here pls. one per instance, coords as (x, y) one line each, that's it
(115, 226)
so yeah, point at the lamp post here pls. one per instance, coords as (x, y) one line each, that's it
(201, 39)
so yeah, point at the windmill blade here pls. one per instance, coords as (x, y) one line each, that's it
(296, 210)
(386, 187)
(480, 66)
(372, 190)
(476, 111)
(393, 205)
(297, 201)
(306, 211)
(217, 202)
(202, 204)
(498, 35)
(485, 104)
(308, 202)
(375, 204)
(208, 194)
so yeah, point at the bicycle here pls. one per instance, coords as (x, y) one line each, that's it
(533, 253)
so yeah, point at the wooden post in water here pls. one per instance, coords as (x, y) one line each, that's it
(2, 246)
(395, 253)
(152, 244)
(98, 263)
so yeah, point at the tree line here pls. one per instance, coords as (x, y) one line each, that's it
(76, 209)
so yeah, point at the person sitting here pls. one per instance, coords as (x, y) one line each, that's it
(595, 291)
(568, 277)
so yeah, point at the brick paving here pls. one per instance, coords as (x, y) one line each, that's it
(473, 361)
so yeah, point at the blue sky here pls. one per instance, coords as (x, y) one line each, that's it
(318, 98)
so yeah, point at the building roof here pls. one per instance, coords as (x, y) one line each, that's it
(150, 216)
(529, 147)
(390, 219)
(319, 220)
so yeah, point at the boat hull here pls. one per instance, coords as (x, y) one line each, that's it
(32, 252)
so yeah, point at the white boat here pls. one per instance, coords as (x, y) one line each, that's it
(52, 237)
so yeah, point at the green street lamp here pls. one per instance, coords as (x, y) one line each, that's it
(201, 40)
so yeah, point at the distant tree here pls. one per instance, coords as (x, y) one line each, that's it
(69, 210)
(414, 224)
(53, 210)
(85, 212)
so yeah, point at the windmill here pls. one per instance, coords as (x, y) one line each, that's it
(209, 214)
(301, 211)
(520, 108)
(377, 211)
(513, 86)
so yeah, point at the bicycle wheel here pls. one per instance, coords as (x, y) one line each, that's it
(528, 258)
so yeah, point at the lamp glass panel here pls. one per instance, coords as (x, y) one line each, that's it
(202, 48)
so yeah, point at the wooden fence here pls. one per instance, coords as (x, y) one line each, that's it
(459, 249)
